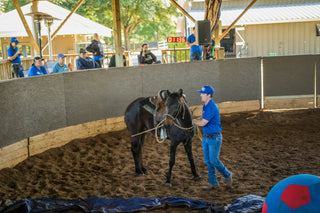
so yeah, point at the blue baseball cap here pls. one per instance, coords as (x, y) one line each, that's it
(206, 90)
(14, 39)
(60, 55)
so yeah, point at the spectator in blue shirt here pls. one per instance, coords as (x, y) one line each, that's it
(84, 62)
(37, 67)
(14, 57)
(60, 66)
(195, 50)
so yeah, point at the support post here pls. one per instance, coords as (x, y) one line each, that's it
(117, 32)
(315, 86)
(25, 24)
(262, 85)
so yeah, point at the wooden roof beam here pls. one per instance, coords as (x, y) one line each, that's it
(183, 10)
(25, 24)
(64, 21)
(237, 19)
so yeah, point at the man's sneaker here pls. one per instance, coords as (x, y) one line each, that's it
(229, 181)
(209, 187)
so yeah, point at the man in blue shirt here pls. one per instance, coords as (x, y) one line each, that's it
(84, 62)
(14, 57)
(195, 50)
(37, 67)
(60, 66)
(212, 138)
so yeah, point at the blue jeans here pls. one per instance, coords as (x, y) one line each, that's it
(211, 150)
(195, 56)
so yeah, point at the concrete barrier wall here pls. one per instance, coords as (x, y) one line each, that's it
(31, 106)
(289, 75)
(43, 112)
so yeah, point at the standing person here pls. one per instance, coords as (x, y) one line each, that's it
(84, 62)
(37, 67)
(212, 138)
(96, 48)
(146, 56)
(14, 57)
(195, 50)
(60, 66)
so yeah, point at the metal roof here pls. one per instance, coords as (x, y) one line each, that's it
(266, 14)
(11, 24)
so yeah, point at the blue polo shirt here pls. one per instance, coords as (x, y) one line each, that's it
(195, 48)
(57, 68)
(34, 71)
(11, 53)
(211, 113)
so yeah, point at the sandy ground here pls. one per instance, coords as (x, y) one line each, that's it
(259, 148)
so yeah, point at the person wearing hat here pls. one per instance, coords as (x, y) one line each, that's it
(14, 57)
(60, 66)
(212, 138)
(84, 62)
(37, 67)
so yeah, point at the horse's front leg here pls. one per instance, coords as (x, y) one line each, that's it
(188, 148)
(136, 153)
(173, 149)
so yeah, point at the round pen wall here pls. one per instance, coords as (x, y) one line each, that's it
(38, 113)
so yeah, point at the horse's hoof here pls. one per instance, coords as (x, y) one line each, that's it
(168, 184)
(144, 170)
(197, 178)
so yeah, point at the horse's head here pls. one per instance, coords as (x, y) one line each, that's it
(169, 105)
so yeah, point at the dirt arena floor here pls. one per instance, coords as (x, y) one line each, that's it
(260, 149)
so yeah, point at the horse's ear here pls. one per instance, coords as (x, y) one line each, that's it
(180, 92)
(163, 94)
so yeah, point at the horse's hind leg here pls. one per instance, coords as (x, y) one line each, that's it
(188, 148)
(143, 169)
(136, 147)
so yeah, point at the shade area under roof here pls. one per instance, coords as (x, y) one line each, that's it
(11, 24)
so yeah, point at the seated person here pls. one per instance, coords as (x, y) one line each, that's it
(37, 67)
(146, 57)
(113, 60)
(60, 66)
(84, 62)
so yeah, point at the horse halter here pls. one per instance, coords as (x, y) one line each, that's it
(182, 105)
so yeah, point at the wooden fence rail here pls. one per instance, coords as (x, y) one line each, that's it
(175, 55)
(6, 71)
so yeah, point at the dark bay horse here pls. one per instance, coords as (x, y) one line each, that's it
(171, 110)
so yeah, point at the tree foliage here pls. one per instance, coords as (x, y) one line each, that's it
(143, 20)
(7, 5)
